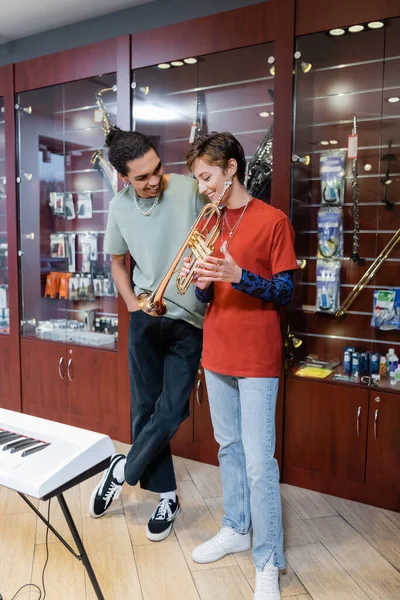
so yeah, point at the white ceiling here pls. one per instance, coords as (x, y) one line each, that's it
(21, 18)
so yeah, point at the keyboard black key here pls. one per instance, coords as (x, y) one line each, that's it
(33, 450)
(5, 433)
(19, 444)
(10, 437)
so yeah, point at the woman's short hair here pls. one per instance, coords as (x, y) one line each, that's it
(216, 149)
(125, 146)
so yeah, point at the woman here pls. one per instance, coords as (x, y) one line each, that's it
(248, 276)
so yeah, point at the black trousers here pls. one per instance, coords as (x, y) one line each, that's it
(164, 355)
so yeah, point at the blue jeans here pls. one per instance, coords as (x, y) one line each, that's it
(243, 416)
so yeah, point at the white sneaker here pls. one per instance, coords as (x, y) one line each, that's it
(267, 584)
(225, 542)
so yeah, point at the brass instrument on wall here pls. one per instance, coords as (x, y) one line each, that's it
(368, 275)
(98, 161)
(201, 243)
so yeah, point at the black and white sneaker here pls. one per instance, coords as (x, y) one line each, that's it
(107, 490)
(160, 523)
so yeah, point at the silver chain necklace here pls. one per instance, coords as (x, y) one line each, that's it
(234, 228)
(145, 213)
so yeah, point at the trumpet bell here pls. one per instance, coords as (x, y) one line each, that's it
(146, 303)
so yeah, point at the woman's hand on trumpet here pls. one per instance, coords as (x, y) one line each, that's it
(218, 269)
(185, 271)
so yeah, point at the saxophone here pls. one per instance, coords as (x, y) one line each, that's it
(98, 160)
(259, 171)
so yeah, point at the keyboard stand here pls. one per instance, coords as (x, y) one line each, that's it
(82, 556)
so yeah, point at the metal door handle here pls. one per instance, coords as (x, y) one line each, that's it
(358, 420)
(198, 388)
(375, 423)
(68, 367)
(60, 362)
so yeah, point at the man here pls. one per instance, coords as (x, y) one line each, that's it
(150, 218)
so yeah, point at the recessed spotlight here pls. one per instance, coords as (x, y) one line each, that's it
(271, 60)
(164, 66)
(393, 99)
(264, 114)
(356, 28)
(272, 113)
(333, 142)
(324, 143)
(376, 25)
(367, 167)
(190, 61)
(297, 54)
(177, 63)
(336, 32)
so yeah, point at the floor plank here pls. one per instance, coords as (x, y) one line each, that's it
(373, 525)
(228, 583)
(322, 575)
(196, 525)
(64, 575)
(109, 549)
(306, 503)
(11, 503)
(295, 531)
(173, 578)
(206, 478)
(57, 519)
(362, 562)
(17, 546)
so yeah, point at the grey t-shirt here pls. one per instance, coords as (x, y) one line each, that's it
(154, 241)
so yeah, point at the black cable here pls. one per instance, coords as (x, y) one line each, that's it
(33, 585)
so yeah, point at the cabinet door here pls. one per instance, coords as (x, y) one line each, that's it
(44, 379)
(383, 455)
(203, 428)
(93, 389)
(325, 430)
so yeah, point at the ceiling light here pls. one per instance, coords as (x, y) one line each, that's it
(177, 63)
(324, 143)
(306, 66)
(272, 70)
(333, 142)
(393, 99)
(297, 54)
(367, 167)
(164, 66)
(375, 25)
(272, 113)
(356, 28)
(264, 114)
(337, 32)
(271, 60)
(190, 61)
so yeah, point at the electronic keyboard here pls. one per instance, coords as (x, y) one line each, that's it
(43, 458)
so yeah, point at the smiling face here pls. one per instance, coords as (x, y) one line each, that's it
(211, 178)
(145, 174)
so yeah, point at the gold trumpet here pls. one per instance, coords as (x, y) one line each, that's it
(368, 275)
(201, 243)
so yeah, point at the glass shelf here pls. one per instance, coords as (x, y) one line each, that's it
(67, 291)
(4, 307)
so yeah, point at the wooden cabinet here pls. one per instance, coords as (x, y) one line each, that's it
(326, 430)
(71, 384)
(343, 440)
(383, 451)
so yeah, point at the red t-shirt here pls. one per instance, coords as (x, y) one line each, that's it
(242, 334)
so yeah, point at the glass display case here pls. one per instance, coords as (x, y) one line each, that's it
(345, 202)
(4, 306)
(65, 185)
(233, 91)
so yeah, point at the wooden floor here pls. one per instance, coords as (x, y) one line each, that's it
(335, 549)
